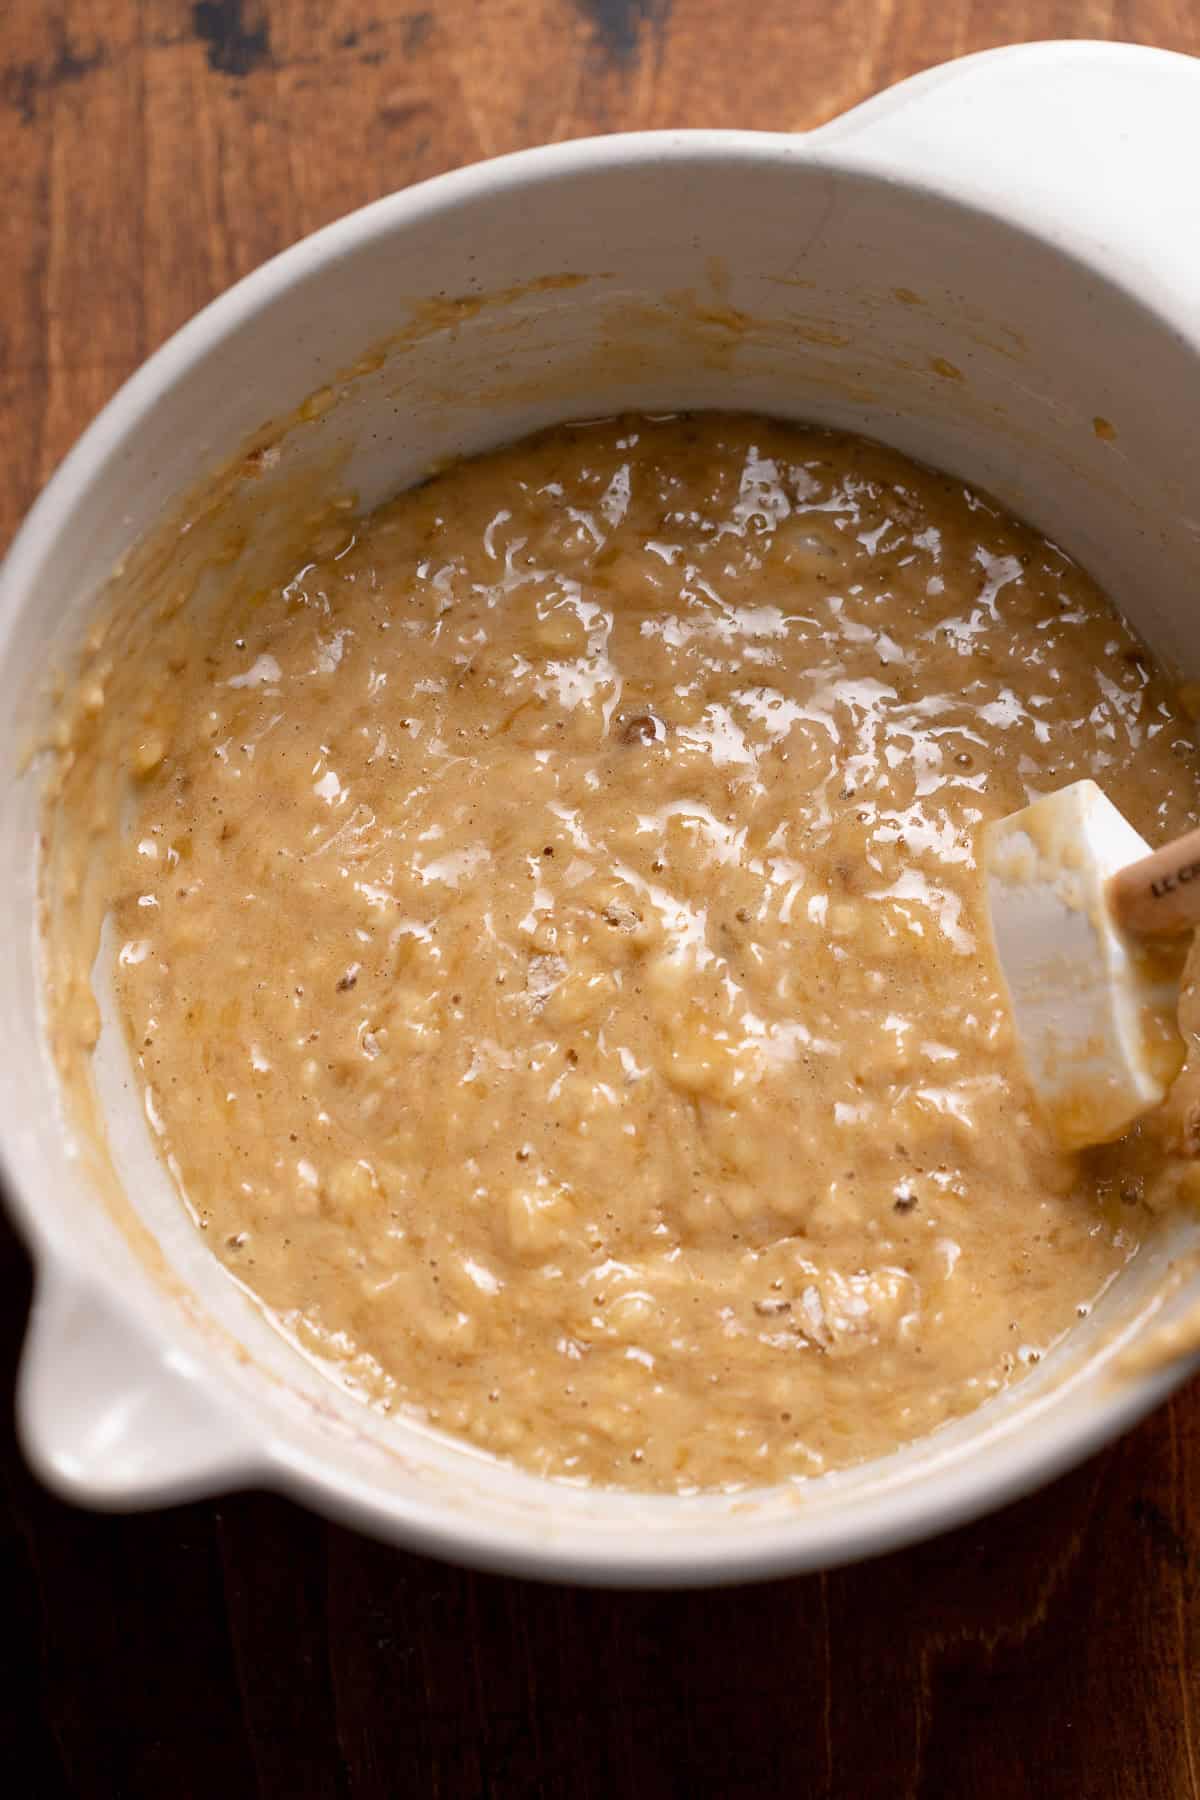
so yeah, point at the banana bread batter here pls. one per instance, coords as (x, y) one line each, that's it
(551, 937)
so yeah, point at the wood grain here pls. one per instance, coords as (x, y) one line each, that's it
(152, 152)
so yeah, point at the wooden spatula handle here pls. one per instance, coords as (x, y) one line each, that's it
(1161, 893)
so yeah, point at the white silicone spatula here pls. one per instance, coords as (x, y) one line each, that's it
(1088, 927)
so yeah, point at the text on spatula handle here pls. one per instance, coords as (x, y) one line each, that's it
(1167, 884)
(1159, 894)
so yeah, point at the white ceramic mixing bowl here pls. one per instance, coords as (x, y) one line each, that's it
(995, 267)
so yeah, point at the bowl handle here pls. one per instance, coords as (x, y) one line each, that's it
(109, 1419)
(1093, 145)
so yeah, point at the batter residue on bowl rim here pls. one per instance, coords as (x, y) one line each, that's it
(550, 934)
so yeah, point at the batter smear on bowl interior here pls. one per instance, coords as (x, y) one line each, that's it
(552, 939)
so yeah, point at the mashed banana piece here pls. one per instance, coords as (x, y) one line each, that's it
(552, 940)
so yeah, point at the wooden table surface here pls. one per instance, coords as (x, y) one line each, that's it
(151, 151)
